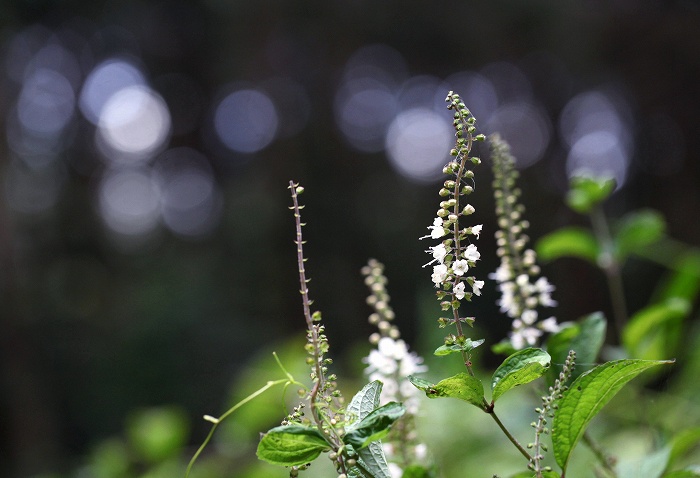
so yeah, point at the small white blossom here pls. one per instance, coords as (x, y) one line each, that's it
(471, 253)
(527, 336)
(395, 470)
(550, 325)
(458, 290)
(476, 230)
(460, 267)
(439, 274)
(529, 316)
(439, 252)
(437, 230)
(502, 274)
(477, 286)
(378, 362)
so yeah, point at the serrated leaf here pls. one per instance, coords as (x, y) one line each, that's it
(585, 193)
(653, 332)
(291, 445)
(568, 242)
(374, 426)
(467, 346)
(636, 231)
(586, 396)
(365, 401)
(462, 386)
(520, 368)
(586, 337)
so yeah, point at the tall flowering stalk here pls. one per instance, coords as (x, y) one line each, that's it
(325, 401)
(456, 254)
(522, 288)
(391, 363)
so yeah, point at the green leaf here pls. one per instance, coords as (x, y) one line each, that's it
(417, 471)
(467, 346)
(683, 441)
(586, 396)
(568, 242)
(531, 474)
(585, 193)
(586, 337)
(685, 281)
(365, 400)
(689, 472)
(654, 331)
(291, 445)
(636, 231)
(362, 404)
(520, 368)
(462, 386)
(650, 466)
(373, 459)
(374, 426)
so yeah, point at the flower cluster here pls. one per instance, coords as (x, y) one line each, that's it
(455, 255)
(391, 362)
(522, 288)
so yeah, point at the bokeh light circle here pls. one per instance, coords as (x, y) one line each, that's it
(364, 109)
(46, 103)
(526, 128)
(190, 198)
(103, 82)
(598, 154)
(418, 144)
(134, 123)
(246, 121)
(129, 202)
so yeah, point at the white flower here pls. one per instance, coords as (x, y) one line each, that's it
(477, 286)
(471, 253)
(476, 230)
(378, 362)
(543, 286)
(458, 290)
(439, 274)
(550, 325)
(501, 274)
(522, 280)
(460, 267)
(395, 470)
(526, 336)
(439, 252)
(437, 230)
(529, 316)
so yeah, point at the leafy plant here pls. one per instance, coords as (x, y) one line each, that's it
(561, 359)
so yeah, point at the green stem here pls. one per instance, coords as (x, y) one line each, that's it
(604, 459)
(217, 421)
(611, 267)
(489, 409)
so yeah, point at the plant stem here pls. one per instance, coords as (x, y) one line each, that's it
(611, 268)
(489, 409)
(604, 459)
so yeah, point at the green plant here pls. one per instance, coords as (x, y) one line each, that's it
(562, 359)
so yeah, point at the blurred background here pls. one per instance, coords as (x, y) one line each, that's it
(147, 268)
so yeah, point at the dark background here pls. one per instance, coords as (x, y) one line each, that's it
(96, 321)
